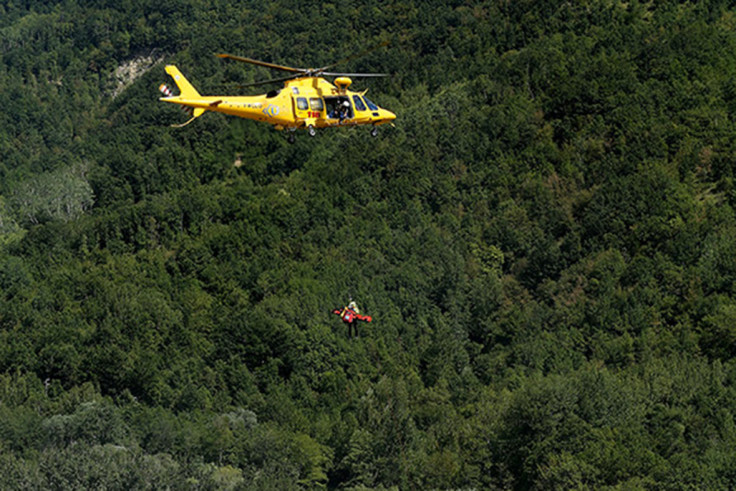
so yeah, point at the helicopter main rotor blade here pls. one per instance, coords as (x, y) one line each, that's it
(352, 57)
(262, 82)
(356, 75)
(270, 81)
(261, 63)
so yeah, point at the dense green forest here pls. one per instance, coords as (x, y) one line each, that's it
(546, 242)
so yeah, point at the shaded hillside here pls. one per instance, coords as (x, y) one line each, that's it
(545, 242)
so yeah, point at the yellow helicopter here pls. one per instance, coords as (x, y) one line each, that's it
(307, 101)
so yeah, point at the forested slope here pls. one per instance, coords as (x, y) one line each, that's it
(545, 241)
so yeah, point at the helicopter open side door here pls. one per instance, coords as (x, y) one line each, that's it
(337, 110)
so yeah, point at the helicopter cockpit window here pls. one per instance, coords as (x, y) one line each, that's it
(358, 103)
(371, 106)
(301, 103)
(316, 104)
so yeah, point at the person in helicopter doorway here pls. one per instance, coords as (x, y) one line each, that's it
(343, 111)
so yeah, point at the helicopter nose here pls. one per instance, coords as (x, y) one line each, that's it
(389, 116)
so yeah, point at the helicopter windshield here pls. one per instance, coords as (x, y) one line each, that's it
(371, 106)
(358, 103)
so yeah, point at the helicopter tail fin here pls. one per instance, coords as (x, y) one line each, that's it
(185, 88)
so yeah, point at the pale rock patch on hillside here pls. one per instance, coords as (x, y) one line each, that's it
(129, 71)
